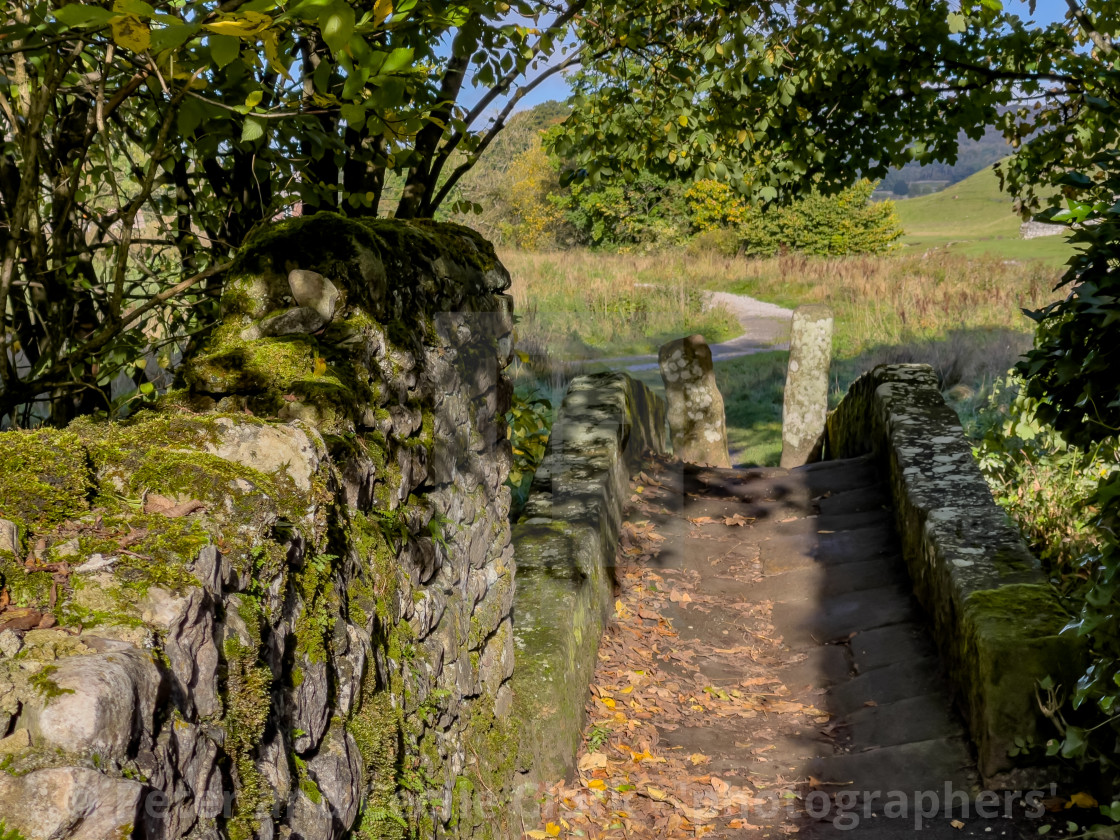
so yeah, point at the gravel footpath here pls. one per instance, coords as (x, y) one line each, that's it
(765, 327)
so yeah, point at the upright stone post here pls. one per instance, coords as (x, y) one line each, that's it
(696, 419)
(806, 397)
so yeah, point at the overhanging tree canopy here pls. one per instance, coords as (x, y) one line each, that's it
(143, 142)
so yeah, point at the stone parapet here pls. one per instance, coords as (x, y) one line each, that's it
(995, 617)
(564, 550)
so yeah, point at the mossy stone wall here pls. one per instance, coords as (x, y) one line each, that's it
(995, 618)
(564, 546)
(279, 604)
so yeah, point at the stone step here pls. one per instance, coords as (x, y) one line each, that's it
(918, 766)
(926, 716)
(795, 551)
(817, 523)
(883, 646)
(822, 667)
(873, 497)
(813, 581)
(805, 623)
(899, 681)
(838, 476)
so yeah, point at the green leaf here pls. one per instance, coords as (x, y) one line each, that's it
(77, 14)
(957, 22)
(337, 25)
(134, 7)
(253, 129)
(224, 49)
(397, 59)
(172, 36)
(254, 98)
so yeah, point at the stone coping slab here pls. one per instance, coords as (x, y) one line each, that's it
(995, 618)
(564, 549)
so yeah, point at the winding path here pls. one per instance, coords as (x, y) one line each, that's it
(765, 328)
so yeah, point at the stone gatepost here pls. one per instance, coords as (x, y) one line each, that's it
(696, 419)
(806, 395)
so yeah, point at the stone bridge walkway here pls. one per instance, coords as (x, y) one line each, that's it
(786, 657)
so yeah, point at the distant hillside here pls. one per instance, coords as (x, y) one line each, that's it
(972, 156)
(488, 182)
(974, 217)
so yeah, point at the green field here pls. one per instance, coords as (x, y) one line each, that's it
(973, 217)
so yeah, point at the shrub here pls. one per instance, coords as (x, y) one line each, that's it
(533, 220)
(825, 225)
(528, 425)
(1045, 484)
(647, 211)
(713, 205)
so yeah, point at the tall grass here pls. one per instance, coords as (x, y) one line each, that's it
(894, 299)
(962, 315)
(883, 300)
(581, 304)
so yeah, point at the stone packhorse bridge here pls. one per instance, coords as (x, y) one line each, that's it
(288, 602)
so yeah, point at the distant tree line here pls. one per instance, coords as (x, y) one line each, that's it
(532, 198)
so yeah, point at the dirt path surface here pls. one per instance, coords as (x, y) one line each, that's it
(768, 674)
(765, 327)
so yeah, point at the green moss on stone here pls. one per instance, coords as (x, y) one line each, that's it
(315, 584)
(45, 478)
(247, 689)
(376, 726)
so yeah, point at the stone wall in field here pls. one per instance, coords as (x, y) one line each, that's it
(278, 604)
(995, 618)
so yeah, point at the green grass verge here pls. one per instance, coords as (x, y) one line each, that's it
(975, 218)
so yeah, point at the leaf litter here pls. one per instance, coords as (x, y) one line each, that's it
(641, 771)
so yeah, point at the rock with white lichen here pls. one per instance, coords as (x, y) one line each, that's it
(696, 416)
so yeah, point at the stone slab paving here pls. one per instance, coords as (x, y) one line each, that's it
(819, 560)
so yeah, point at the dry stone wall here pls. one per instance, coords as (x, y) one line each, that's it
(277, 606)
(995, 618)
(565, 545)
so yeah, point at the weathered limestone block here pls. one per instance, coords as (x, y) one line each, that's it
(96, 704)
(314, 291)
(185, 624)
(184, 774)
(695, 405)
(270, 449)
(806, 393)
(336, 771)
(9, 537)
(69, 802)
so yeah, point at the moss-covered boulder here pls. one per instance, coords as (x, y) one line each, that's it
(282, 598)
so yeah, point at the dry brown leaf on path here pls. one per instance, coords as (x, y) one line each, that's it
(737, 519)
(814, 782)
(592, 761)
(704, 520)
(678, 597)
